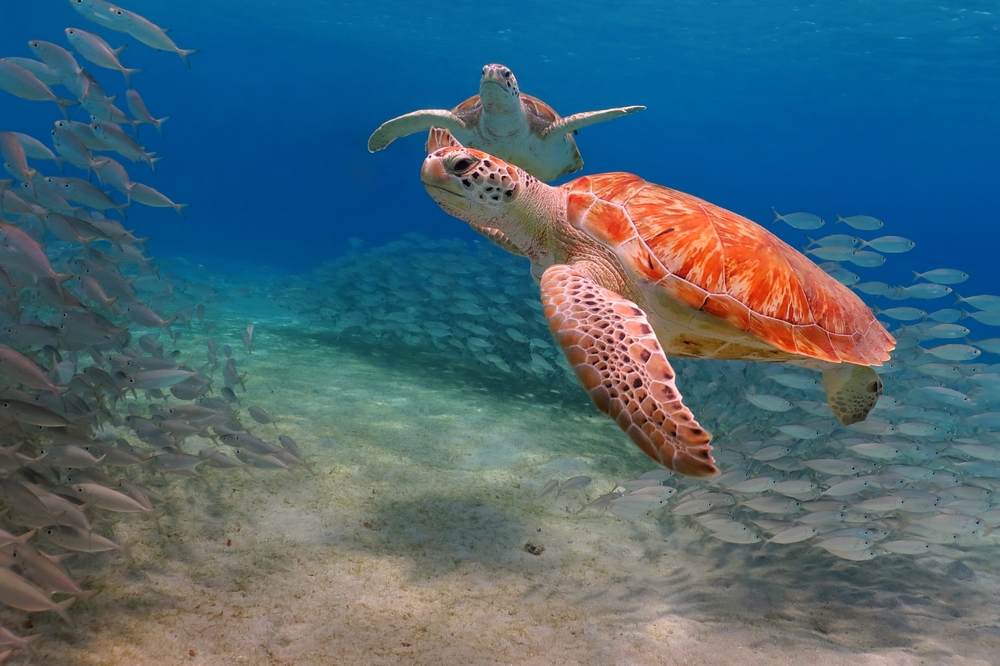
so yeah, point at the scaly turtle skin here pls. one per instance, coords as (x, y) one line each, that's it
(505, 122)
(631, 272)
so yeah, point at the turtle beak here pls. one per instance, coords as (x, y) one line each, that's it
(444, 187)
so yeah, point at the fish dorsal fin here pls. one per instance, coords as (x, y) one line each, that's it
(440, 138)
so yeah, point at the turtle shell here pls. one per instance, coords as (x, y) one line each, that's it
(539, 114)
(715, 284)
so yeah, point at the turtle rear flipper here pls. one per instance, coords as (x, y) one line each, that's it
(616, 357)
(851, 391)
(416, 121)
(578, 120)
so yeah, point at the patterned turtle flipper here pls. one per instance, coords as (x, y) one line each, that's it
(618, 360)
(851, 391)
(574, 122)
(417, 121)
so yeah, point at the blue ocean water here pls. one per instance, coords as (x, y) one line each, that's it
(886, 109)
(878, 108)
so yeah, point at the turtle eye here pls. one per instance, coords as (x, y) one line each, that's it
(506, 73)
(462, 165)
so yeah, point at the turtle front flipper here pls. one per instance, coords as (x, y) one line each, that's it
(413, 122)
(851, 391)
(577, 120)
(618, 360)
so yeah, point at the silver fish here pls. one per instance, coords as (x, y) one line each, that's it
(794, 534)
(21, 83)
(81, 541)
(16, 160)
(34, 148)
(147, 196)
(157, 379)
(45, 73)
(72, 149)
(942, 276)
(32, 414)
(139, 111)
(259, 415)
(17, 592)
(19, 368)
(890, 244)
(106, 498)
(96, 50)
(927, 290)
(866, 258)
(147, 32)
(861, 222)
(799, 220)
(55, 57)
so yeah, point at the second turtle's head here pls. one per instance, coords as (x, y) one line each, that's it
(471, 184)
(498, 88)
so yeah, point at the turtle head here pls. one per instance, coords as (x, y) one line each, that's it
(498, 89)
(470, 184)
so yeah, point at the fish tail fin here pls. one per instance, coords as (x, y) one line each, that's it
(27, 643)
(61, 609)
(64, 104)
(23, 538)
(159, 121)
(776, 216)
(151, 161)
(86, 595)
(127, 73)
(184, 53)
(839, 218)
(916, 275)
(180, 209)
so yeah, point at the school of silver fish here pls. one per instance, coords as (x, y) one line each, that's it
(919, 476)
(93, 400)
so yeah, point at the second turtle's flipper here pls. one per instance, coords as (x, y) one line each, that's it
(413, 122)
(618, 360)
(578, 120)
(851, 391)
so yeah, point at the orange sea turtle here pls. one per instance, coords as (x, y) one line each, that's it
(631, 272)
(505, 122)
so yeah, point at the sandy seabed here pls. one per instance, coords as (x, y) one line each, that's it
(407, 546)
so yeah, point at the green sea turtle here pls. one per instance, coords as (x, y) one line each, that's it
(631, 272)
(505, 122)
